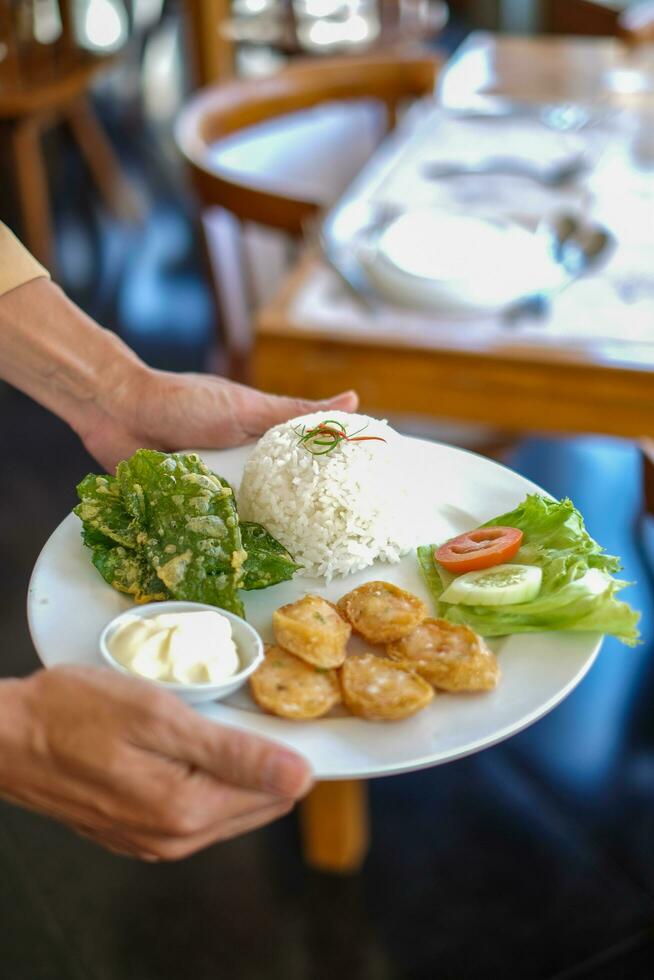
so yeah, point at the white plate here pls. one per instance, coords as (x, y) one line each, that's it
(437, 260)
(69, 604)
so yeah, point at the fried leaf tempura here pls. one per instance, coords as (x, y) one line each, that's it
(167, 527)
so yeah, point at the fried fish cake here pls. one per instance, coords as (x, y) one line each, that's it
(381, 612)
(380, 690)
(313, 630)
(452, 658)
(286, 686)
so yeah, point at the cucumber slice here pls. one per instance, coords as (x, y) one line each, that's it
(502, 585)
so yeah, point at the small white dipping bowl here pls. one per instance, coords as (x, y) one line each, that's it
(248, 645)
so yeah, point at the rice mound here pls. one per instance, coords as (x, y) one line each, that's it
(336, 513)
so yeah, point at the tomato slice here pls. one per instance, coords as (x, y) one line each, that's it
(483, 548)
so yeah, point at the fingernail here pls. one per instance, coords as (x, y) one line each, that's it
(343, 394)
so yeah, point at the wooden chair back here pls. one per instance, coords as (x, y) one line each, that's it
(43, 84)
(223, 110)
(38, 77)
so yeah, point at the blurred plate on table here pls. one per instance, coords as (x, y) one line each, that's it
(443, 261)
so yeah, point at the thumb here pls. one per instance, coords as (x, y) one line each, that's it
(274, 409)
(231, 755)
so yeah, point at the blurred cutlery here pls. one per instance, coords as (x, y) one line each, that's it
(349, 274)
(578, 246)
(562, 117)
(554, 176)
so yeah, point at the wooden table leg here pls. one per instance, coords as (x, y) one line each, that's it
(102, 161)
(32, 187)
(334, 824)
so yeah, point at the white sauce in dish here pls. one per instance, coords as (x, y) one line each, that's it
(186, 647)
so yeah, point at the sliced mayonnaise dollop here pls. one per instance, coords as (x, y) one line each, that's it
(186, 647)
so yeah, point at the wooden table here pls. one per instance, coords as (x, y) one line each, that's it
(561, 375)
(512, 386)
(558, 375)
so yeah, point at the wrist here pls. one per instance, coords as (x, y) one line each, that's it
(60, 357)
(116, 391)
(15, 729)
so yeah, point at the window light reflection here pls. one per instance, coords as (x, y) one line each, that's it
(46, 21)
(325, 32)
(320, 8)
(251, 7)
(103, 25)
(324, 24)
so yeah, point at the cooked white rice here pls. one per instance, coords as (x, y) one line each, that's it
(336, 513)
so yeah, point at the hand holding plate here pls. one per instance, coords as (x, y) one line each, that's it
(133, 768)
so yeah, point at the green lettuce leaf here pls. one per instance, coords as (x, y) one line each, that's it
(578, 591)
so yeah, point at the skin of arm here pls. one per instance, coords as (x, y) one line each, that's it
(60, 357)
(114, 758)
